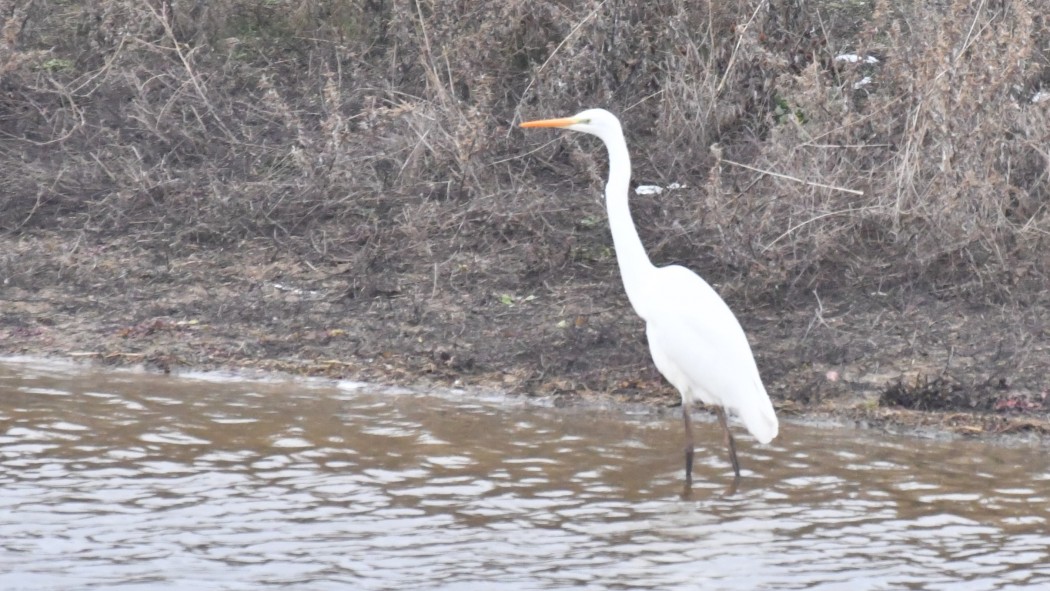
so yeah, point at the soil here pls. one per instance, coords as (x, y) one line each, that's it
(912, 360)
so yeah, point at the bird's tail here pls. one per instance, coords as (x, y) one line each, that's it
(759, 417)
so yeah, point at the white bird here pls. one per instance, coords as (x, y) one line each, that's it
(695, 340)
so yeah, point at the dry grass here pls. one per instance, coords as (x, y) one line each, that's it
(376, 136)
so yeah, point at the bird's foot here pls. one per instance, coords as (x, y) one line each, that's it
(732, 488)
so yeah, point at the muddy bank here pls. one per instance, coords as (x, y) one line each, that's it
(339, 188)
(881, 359)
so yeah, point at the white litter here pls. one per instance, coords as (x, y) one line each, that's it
(655, 189)
(648, 190)
(854, 58)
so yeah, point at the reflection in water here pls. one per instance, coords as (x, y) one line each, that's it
(156, 482)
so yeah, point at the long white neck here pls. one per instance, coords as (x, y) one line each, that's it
(635, 266)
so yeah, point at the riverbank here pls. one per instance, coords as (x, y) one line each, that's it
(340, 188)
(887, 360)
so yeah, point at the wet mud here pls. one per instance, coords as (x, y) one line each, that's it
(893, 360)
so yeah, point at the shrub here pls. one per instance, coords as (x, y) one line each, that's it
(380, 132)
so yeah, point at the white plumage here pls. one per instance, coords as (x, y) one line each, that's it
(695, 340)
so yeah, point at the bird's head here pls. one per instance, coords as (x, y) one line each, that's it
(597, 122)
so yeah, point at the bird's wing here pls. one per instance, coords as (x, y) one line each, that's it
(700, 347)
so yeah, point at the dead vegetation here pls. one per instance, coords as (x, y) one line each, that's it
(832, 148)
(379, 133)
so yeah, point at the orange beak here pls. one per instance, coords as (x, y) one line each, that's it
(563, 122)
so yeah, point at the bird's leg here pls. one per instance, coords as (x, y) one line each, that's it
(729, 440)
(688, 444)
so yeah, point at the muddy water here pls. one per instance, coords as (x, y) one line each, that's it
(150, 482)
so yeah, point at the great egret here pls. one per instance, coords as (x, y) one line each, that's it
(696, 341)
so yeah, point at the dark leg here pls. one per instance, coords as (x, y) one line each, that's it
(688, 444)
(729, 440)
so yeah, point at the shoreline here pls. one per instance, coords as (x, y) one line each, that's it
(903, 361)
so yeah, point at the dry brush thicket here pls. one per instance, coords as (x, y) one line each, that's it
(380, 134)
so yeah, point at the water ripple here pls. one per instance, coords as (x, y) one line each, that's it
(148, 482)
